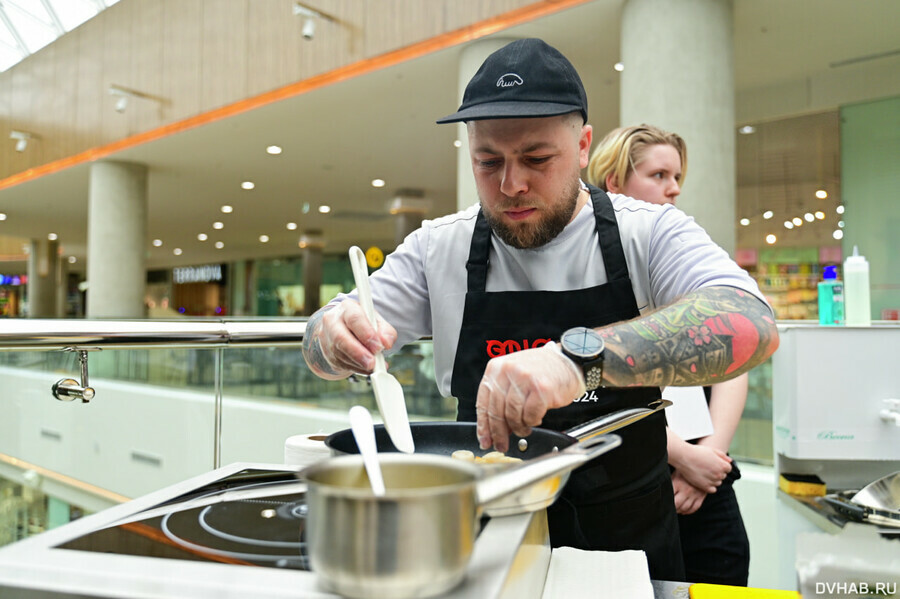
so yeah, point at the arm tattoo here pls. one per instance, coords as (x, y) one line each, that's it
(312, 347)
(708, 336)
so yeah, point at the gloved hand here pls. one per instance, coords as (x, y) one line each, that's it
(517, 390)
(348, 340)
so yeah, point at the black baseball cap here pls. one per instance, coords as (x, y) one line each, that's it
(525, 78)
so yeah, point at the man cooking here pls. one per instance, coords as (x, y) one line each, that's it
(638, 294)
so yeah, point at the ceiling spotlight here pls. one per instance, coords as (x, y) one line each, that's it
(227, 209)
(292, 226)
(745, 222)
(247, 185)
(220, 245)
(788, 224)
(218, 225)
(309, 29)
(838, 234)
(202, 237)
(839, 209)
(841, 224)
(377, 182)
(457, 143)
(52, 236)
(797, 221)
(768, 214)
(273, 150)
(309, 14)
(747, 130)
(157, 243)
(264, 239)
(72, 259)
(2, 216)
(177, 251)
(123, 95)
(821, 194)
(324, 209)
(619, 66)
(820, 215)
(22, 138)
(809, 217)
(771, 239)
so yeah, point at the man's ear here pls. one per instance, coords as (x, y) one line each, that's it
(611, 184)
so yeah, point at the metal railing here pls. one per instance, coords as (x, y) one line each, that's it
(83, 336)
(57, 334)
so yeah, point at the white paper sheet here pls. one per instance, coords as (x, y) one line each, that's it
(688, 416)
(608, 574)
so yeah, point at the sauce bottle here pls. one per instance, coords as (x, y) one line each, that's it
(858, 309)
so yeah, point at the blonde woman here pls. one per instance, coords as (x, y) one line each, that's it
(649, 164)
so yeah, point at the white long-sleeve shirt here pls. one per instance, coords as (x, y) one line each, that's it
(421, 287)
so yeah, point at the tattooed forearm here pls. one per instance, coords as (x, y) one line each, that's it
(708, 336)
(312, 348)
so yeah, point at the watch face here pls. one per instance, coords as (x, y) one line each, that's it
(582, 342)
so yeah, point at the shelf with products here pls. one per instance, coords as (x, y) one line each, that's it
(789, 279)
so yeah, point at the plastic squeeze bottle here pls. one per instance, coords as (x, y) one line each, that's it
(858, 309)
(831, 298)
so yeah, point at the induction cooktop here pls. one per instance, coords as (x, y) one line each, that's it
(213, 523)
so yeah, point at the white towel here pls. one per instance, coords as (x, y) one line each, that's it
(608, 574)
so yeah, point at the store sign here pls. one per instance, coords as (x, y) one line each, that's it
(13, 280)
(197, 274)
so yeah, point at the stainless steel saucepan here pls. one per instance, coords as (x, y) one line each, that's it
(416, 540)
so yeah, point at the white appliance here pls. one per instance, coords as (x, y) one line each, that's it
(836, 396)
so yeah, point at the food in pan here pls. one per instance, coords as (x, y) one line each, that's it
(494, 457)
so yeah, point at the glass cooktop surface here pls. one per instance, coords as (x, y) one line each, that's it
(262, 531)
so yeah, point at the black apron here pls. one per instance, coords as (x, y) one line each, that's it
(622, 500)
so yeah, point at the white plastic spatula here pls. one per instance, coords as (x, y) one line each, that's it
(364, 434)
(388, 392)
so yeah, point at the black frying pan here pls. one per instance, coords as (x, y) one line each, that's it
(446, 437)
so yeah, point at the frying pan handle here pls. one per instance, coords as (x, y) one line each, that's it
(554, 463)
(845, 508)
(615, 420)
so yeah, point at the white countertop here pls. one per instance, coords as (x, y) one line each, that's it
(35, 564)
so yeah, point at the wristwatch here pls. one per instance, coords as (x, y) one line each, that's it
(585, 347)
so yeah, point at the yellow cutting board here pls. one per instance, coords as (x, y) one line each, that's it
(720, 591)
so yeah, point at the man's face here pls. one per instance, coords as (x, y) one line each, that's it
(527, 174)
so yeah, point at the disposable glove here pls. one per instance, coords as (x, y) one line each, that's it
(348, 341)
(517, 390)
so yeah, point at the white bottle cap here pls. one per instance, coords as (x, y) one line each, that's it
(855, 259)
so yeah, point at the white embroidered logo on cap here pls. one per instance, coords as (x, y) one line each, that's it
(509, 80)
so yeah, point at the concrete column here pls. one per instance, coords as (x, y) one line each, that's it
(43, 278)
(470, 59)
(408, 208)
(679, 75)
(312, 243)
(117, 234)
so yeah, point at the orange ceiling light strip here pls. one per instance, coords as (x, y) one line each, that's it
(439, 42)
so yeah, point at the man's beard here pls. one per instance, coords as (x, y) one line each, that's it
(532, 235)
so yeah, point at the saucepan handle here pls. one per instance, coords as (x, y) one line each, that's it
(510, 480)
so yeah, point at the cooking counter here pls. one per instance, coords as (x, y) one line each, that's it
(511, 556)
(510, 559)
